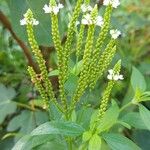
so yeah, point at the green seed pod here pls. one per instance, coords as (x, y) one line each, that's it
(103, 62)
(100, 42)
(39, 58)
(60, 56)
(39, 87)
(70, 34)
(84, 75)
(107, 92)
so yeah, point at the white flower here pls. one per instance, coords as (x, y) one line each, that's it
(24, 21)
(87, 20)
(114, 3)
(86, 8)
(47, 9)
(54, 9)
(99, 21)
(115, 33)
(112, 76)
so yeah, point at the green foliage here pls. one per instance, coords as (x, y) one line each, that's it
(7, 106)
(117, 142)
(145, 115)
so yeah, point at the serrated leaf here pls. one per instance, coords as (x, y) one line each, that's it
(134, 119)
(137, 80)
(119, 142)
(145, 115)
(6, 105)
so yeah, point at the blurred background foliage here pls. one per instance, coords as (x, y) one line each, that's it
(20, 104)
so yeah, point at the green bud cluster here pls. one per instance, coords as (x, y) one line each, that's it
(79, 41)
(39, 58)
(39, 87)
(107, 92)
(103, 62)
(84, 75)
(70, 34)
(99, 43)
(60, 56)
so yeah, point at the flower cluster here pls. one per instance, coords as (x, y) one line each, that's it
(87, 20)
(86, 8)
(114, 3)
(115, 33)
(113, 76)
(52, 9)
(26, 21)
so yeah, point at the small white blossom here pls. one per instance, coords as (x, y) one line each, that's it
(24, 21)
(54, 9)
(115, 33)
(114, 3)
(112, 76)
(86, 8)
(87, 20)
(99, 21)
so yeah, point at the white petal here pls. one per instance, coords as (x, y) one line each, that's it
(111, 72)
(115, 33)
(35, 22)
(77, 23)
(89, 8)
(99, 21)
(109, 77)
(60, 6)
(55, 10)
(121, 77)
(115, 3)
(106, 2)
(83, 8)
(87, 17)
(23, 22)
(84, 21)
(47, 8)
(116, 77)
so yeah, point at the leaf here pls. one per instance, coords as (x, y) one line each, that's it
(71, 84)
(18, 7)
(145, 115)
(134, 119)
(50, 128)
(27, 121)
(58, 127)
(137, 80)
(109, 119)
(77, 68)
(95, 143)
(53, 73)
(6, 105)
(124, 124)
(119, 142)
(29, 142)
